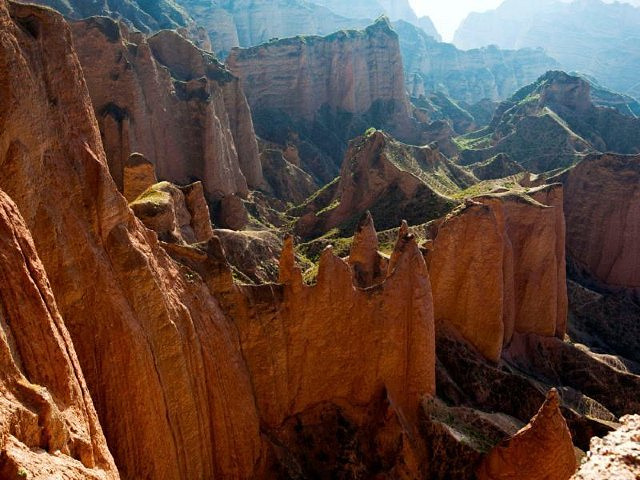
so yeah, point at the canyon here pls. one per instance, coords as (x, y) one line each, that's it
(283, 266)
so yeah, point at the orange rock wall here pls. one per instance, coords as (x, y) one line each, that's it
(161, 361)
(498, 267)
(175, 104)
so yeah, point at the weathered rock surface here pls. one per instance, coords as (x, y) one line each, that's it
(327, 90)
(497, 267)
(616, 455)
(175, 104)
(542, 449)
(602, 198)
(144, 16)
(139, 174)
(161, 361)
(309, 381)
(48, 421)
(392, 180)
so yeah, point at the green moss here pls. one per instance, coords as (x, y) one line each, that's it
(154, 194)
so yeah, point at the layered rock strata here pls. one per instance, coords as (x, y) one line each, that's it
(497, 267)
(602, 199)
(175, 104)
(48, 421)
(160, 359)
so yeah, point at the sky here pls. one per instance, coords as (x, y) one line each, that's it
(448, 14)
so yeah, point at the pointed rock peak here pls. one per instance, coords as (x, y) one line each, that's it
(332, 270)
(403, 244)
(542, 449)
(382, 24)
(404, 229)
(364, 258)
(290, 273)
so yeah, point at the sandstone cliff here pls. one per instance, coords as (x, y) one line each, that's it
(498, 266)
(175, 104)
(327, 90)
(161, 361)
(466, 75)
(602, 198)
(49, 423)
(393, 180)
(543, 449)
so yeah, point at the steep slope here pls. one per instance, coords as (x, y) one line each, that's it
(161, 361)
(246, 23)
(510, 277)
(175, 104)
(552, 124)
(49, 423)
(392, 180)
(326, 90)
(466, 75)
(589, 36)
(143, 15)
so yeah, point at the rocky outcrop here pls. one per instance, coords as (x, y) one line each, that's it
(49, 423)
(138, 175)
(497, 267)
(614, 456)
(392, 180)
(466, 75)
(542, 449)
(602, 198)
(500, 166)
(161, 361)
(551, 124)
(175, 104)
(327, 90)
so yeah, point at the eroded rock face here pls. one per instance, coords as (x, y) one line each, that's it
(602, 198)
(616, 455)
(44, 401)
(163, 97)
(160, 359)
(392, 180)
(139, 174)
(498, 267)
(542, 449)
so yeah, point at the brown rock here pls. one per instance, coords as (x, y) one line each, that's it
(542, 449)
(49, 423)
(161, 361)
(364, 258)
(177, 105)
(176, 214)
(232, 213)
(139, 174)
(497, 267)
(615, 456)
(601, 202)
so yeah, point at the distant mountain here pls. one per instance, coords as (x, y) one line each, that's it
(466, 76)
(552, 124)
(589, 36)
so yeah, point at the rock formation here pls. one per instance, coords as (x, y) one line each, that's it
(393, 180)
(551, 124)
(49, 423)
(542, 449)
(327, 90)
(160, 359)
(466, 75)
(138, 175)
(601, 203)
(497, 267)
(588, 36)
(173, 103)
(614, 456)
(144, 16)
